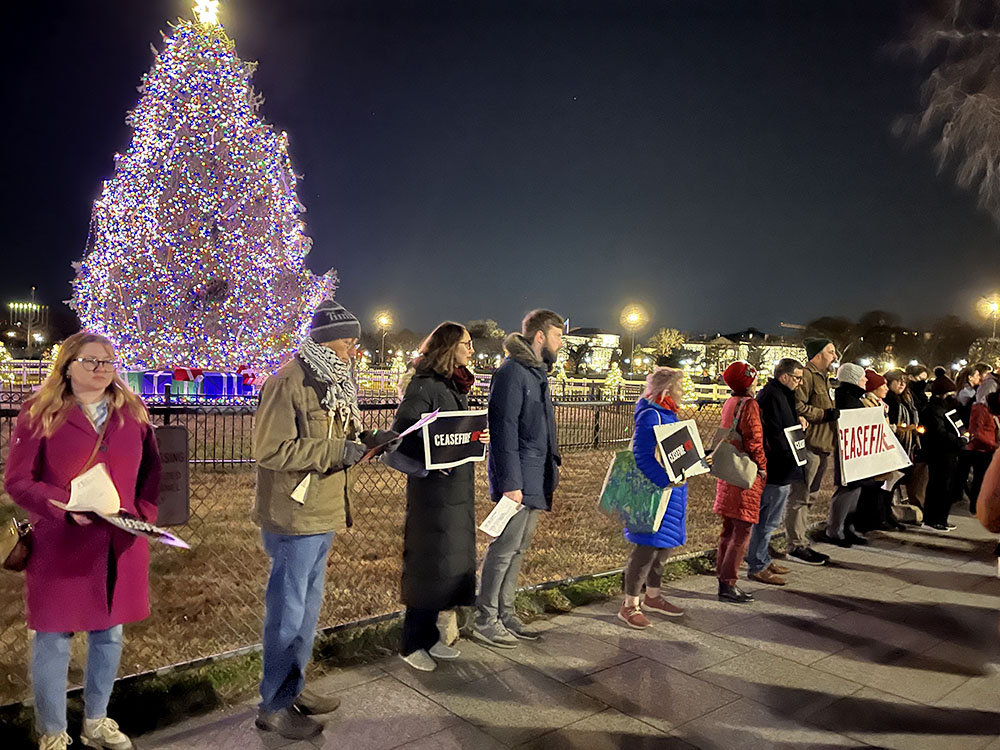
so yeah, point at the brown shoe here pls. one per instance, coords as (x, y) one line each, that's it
(662, 606)
(766, 576)
(780, 570)
(311, 703)
(633, 617)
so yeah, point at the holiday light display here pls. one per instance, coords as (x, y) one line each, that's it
(196, 249)
(613, 383)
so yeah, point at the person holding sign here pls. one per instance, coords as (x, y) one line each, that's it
(523, 465)
(942, 445)
(439, 537)
(83, 575)
(849, 394)
(658, 405)
(306, 442)
(738, 507)
(777, 412)
(812, 402)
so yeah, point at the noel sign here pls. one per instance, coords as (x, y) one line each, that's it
(866, 445)
(453, 438)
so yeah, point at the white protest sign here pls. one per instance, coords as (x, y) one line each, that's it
(866, 445)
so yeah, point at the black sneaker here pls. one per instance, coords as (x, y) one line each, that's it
(733, 594)
(853, 538)
(807, 556)
(949, 526)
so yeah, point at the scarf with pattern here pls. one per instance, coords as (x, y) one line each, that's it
(341, 391)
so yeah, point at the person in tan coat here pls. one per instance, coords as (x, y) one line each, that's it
(306, 439)
(813, 402)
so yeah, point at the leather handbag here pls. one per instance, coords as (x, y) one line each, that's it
(16, 539)
(629, 496)
(730, 463)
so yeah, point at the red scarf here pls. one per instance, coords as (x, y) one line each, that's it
(667, 403)
(463, 379)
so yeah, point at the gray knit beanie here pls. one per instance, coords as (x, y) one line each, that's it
(331, 321)
(850, 373)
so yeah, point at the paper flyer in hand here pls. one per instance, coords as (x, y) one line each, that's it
(93, 491)
(500, 516)
(453, 439)
(424, 420)
(681, 451)
(137, 526)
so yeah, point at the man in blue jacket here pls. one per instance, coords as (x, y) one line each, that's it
(523, 465)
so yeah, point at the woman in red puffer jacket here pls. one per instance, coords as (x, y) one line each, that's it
(738, 507)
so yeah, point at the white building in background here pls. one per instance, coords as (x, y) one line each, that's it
(602, 347)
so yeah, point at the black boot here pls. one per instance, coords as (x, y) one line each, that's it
(733, 594)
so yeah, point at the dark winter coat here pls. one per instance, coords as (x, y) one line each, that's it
(644, 447)
(903, 417)
(777, 412)
(523, 452)
(850, 396)
(84, 577)
(941, 438)
(439, 537)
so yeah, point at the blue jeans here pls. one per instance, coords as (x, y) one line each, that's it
(50, 663)
(772, 506)
(292, 602)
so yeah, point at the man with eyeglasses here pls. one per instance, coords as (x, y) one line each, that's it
(777, 413)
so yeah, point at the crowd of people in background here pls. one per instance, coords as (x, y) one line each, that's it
(309, 439)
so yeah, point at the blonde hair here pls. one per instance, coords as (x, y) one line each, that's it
(660, 380)
(51, 404)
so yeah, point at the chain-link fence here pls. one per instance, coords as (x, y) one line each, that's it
(209, 600)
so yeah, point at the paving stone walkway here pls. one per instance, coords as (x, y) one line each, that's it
(893, 646)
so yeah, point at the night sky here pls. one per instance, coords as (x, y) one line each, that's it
(726, 164)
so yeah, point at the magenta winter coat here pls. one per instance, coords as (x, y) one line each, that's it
(70, 586)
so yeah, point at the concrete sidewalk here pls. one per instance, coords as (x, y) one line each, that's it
(894, 646)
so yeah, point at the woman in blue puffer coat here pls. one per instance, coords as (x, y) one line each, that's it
(658, 405)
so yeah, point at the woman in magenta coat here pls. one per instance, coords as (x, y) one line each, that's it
(739, 508)
(83, 574)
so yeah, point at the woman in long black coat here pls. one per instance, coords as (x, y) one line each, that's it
(439, 540)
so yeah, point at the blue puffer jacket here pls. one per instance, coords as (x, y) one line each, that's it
(671, 533)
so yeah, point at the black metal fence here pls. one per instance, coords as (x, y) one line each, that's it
(209, 600)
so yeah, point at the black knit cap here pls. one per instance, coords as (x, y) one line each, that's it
(332, 321)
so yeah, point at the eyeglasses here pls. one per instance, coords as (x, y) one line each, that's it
(796, 378)
(93, 365)
(467, 344)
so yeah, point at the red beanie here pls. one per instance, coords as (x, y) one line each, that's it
(874, 380)
(739, 376)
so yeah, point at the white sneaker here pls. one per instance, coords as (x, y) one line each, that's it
(420, 660)
(104, 733)
(443, 651)
(54, 741)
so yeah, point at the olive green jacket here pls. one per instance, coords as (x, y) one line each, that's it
(295, 437)
(812, 399)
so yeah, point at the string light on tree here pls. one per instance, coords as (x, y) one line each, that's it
(611, 390)
(196, 249)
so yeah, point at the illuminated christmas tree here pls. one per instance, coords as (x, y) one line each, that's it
(196, 249)
(613, 383)
(6, 374)
(398, 365)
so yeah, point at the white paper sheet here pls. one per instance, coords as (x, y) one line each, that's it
(94, 491)
(299, 493)
(500, 516)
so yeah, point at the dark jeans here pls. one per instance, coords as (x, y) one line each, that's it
(732, 548)
(420, 630)
(980, 463)
(937, 504)
(645, 565)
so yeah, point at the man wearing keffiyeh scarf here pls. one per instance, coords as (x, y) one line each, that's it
(341, 391)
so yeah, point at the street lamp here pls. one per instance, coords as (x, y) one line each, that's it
(633, 318)
(989, 307)
(383, 320)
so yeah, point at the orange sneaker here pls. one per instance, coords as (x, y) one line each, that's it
(633, 617)
(662, 606)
